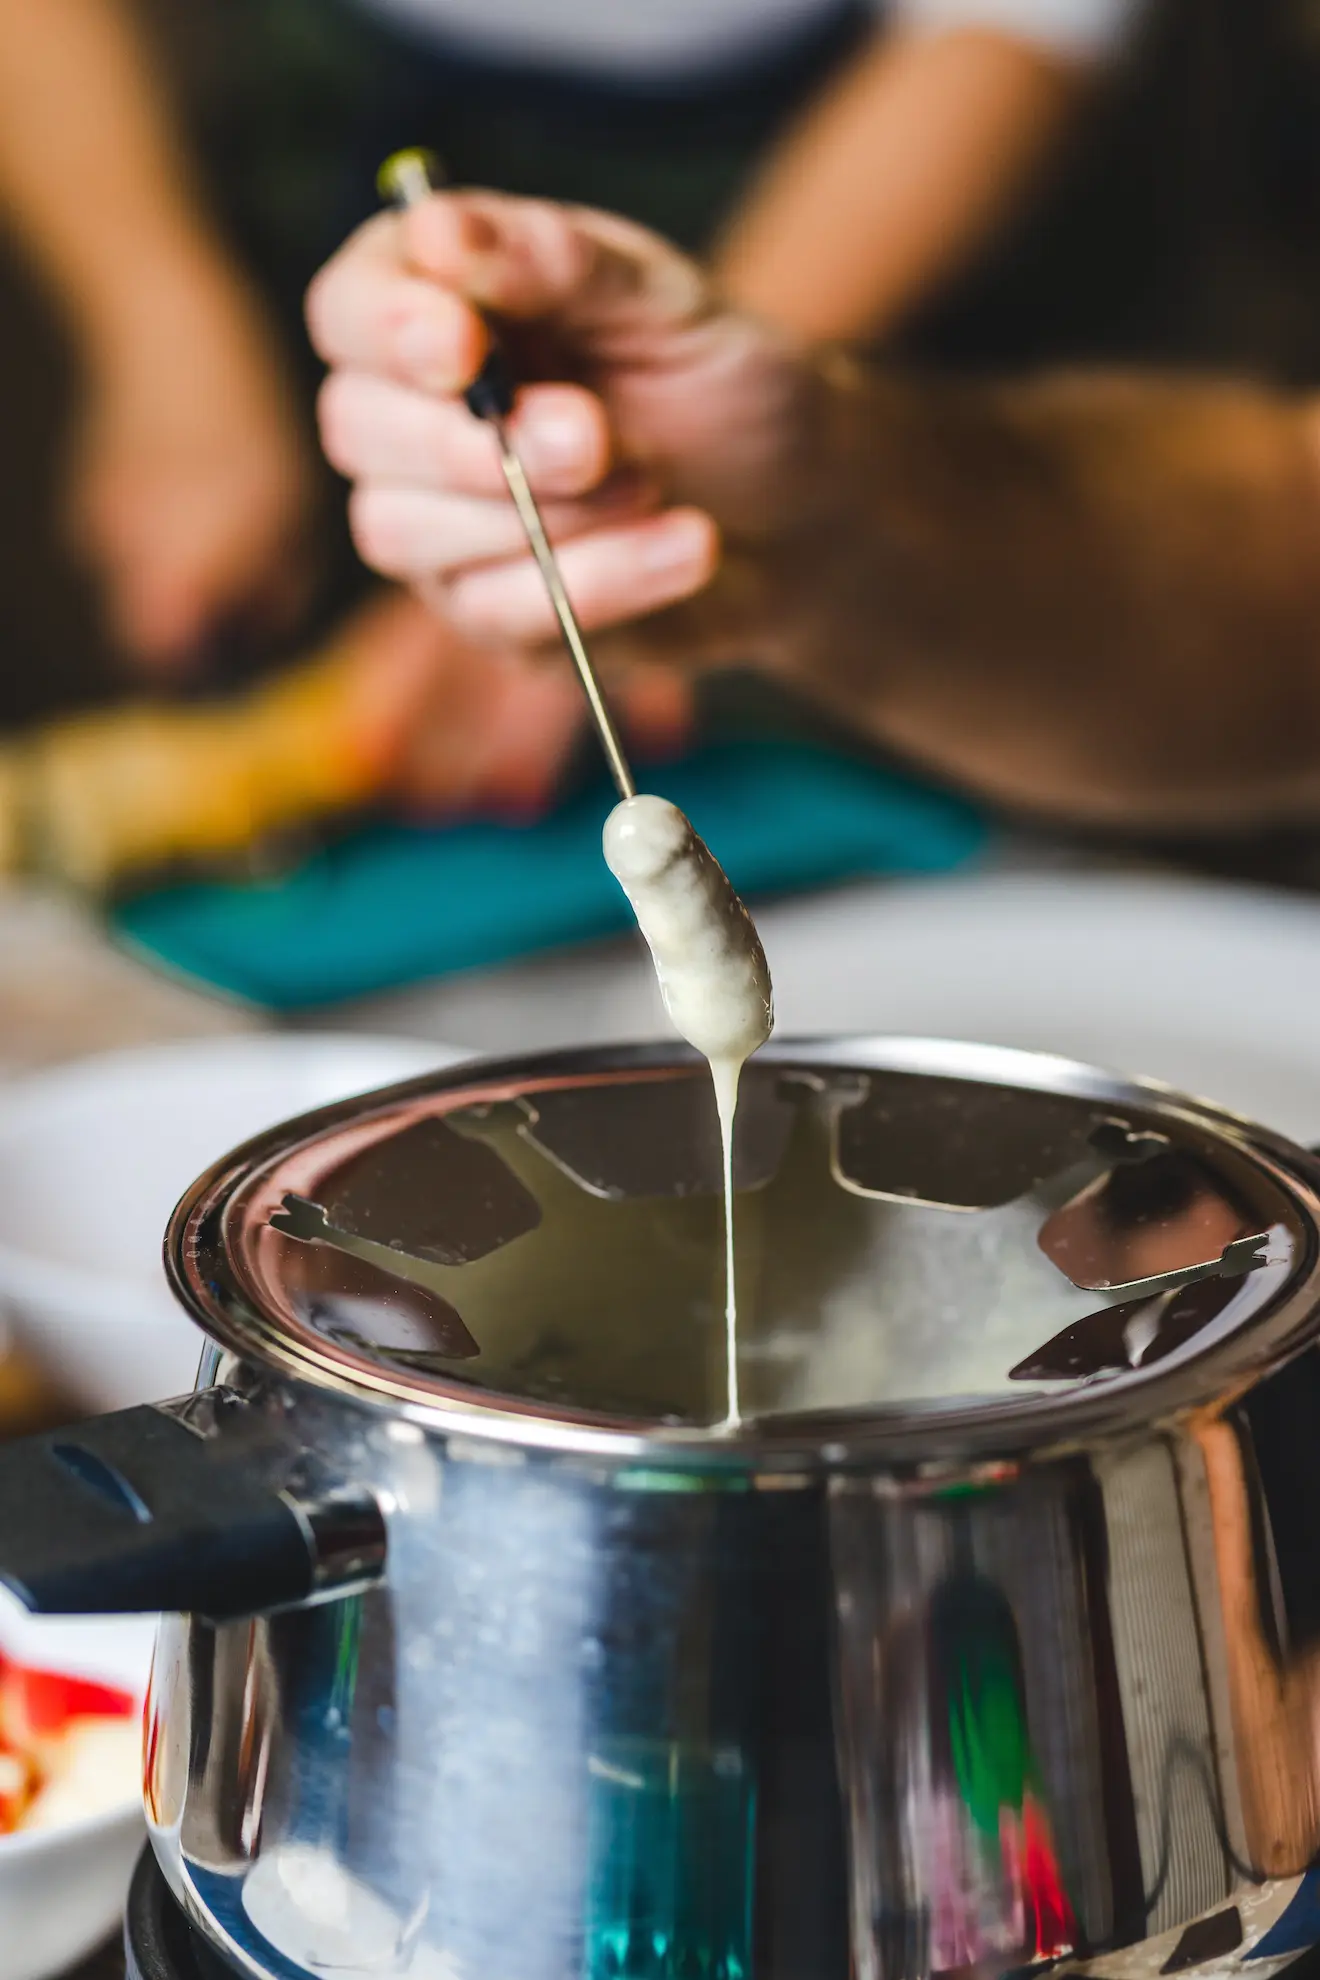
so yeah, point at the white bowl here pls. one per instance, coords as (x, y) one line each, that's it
(93, 1158)
(62, 1890)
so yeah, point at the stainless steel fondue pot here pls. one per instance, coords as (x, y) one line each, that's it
(989, 1642)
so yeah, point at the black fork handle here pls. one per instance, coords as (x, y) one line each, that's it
(184, 1507)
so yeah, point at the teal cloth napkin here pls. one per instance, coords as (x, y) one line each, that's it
(395, 906)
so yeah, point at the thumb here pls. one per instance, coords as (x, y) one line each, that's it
(601, 280)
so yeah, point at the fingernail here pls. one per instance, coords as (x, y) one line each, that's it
(682, 543)
(553, 440)
(479, 235)
(423, 351)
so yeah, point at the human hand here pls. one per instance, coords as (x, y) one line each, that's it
(191, 489)
(681, 462)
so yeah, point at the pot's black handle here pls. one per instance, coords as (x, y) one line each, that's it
(143, 1511)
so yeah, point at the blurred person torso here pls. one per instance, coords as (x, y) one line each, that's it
(1180, 229)
(651, 43)
(1184, 231)
(660, 109)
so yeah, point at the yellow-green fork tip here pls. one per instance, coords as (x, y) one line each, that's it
(408, 172)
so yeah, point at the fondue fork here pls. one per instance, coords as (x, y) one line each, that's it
(406, 179)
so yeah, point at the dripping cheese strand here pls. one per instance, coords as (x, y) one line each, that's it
(712, 972)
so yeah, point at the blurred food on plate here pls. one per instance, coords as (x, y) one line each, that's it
(71, 1821)
(69, 1748)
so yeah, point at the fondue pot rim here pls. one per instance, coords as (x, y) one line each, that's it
(917, 1441)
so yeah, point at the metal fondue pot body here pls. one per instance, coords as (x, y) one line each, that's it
(990, 1640)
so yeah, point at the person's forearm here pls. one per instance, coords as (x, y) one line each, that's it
(93, 175)
(1097, 598)
(899, 176)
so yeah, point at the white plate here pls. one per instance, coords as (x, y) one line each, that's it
(93, 1158)
(1215, 989)
(1209, 988)
(62, 1889)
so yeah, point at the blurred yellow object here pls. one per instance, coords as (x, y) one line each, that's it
(11, 828)
(28, 1403)
(95, 799)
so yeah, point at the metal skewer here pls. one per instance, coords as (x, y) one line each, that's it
(408, 178)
